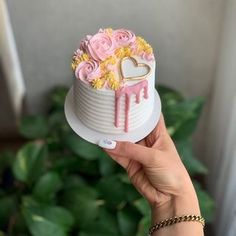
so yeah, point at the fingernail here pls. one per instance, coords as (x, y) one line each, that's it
(107, 143)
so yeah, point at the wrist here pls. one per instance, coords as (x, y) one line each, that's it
(178, 206)
(184, 204)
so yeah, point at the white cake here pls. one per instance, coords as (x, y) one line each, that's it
(114, 81)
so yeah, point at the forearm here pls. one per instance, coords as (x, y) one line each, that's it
(182, 205)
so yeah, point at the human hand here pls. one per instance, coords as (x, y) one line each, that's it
(157, 172)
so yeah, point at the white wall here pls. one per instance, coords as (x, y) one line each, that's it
(221, 135)
(184, 34)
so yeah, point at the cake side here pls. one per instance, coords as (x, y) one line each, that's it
(97, 108)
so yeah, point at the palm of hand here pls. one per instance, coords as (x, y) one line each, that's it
(157, 179)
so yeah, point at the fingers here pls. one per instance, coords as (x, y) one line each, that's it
(142, 143)
(159, 137)
(145, 156)
(122, 161)
(160, 127)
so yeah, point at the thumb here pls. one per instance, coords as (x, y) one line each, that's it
(144, 155)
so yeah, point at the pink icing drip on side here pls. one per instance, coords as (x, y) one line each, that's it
(146, 92)
(128, 91)
(127, 108)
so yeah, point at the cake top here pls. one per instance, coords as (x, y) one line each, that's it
(98, 61)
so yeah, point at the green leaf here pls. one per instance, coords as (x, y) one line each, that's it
(128, 219)
(207, 204)
(143, 207)
(83, 203)
(112, 190)
(8, 206)
(82, 148)
(106, 165)
(29, 162)
(58, 124)
(33, 127)
(66, 164)
(20, 227)
(193, 165)
(47, 186)
(83, 233)
(46, 220)
(104, 225)
(182, 118)
(57, 97)
(143, 226)
(131, 194)
(6, 160)
(124, 178)
(56, 119)
(169, 96)
(75, 164)
(73, 181)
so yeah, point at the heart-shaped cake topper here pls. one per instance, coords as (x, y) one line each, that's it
(136, 64)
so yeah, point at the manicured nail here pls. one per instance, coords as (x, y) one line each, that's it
(107, 143)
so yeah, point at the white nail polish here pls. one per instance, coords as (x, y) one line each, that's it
(107, 143)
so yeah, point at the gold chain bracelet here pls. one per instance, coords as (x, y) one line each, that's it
(174, 220)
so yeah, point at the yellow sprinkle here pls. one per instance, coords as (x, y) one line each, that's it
(149, 50)
(143, 46)
(109, 76)
(97, 83)
(74, 64)
(141, 40)
(112, 60)
(109, 31)
(127, 52)
(120, 52)
(84, 57)
(114, 84)
(76, 60)
(109, 60)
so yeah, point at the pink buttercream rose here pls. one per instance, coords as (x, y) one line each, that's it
(123, 37)
(84, 43)
(100, 46)
(148, 56)
(78, 53)
(87, 71)
(134, 48)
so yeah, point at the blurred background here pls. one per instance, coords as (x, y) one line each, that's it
(195, 45)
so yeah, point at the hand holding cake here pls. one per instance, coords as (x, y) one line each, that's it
(157, 172)
(114, 96)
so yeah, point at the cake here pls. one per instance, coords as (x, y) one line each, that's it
(114, 85)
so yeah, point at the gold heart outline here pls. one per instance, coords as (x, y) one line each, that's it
(136, 64)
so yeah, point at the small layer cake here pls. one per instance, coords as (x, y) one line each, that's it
(114, 81)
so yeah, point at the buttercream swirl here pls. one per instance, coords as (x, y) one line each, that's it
(123, 37)
(84, 43)
(87, 71)
(99, 54)
(78, 52)
(148, 56)
(100, 46)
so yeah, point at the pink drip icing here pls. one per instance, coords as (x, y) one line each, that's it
(128, 91)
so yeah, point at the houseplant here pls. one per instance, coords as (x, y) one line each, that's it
(59, 184)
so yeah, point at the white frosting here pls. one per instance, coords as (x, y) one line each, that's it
(96, 107)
